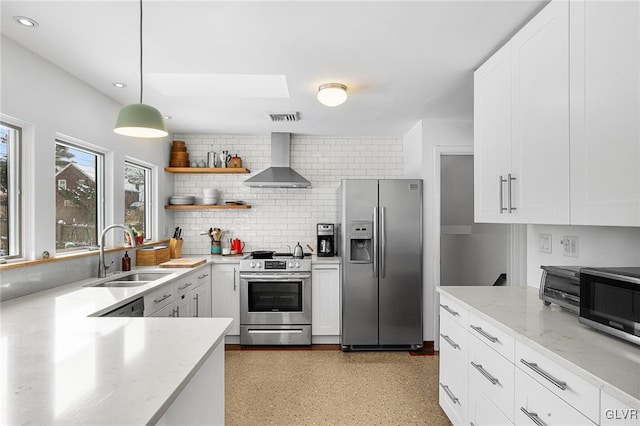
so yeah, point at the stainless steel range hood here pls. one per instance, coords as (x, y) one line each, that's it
(280, 174)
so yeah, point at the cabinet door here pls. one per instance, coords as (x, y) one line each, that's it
(540, 122)
(482, 411)
(168, 311)
(183, 306)
(325, 300)
(492, 137)
(200, 301)
(225, 294)
(605, 134)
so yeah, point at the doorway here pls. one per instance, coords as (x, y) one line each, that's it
(471, 254)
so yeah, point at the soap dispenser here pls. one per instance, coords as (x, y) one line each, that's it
(126, 262)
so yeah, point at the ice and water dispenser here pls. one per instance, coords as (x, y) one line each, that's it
(360, 242)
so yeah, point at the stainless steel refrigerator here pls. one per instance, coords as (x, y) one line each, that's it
(381, 249)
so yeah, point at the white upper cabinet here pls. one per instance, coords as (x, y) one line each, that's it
(521, 128)
(492, 136)
(605, 129)
(540, 117)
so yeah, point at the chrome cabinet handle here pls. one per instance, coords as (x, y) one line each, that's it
(558, 383)
(197, 306)
(500, 182)
(202, 276)
(450, 394)
(448, 309)
(185, 286)
(449, 341)
(178, 311)
(509, 179)
(383, 243)
(485, 373)
(234, 280)
(533, 417)
(165, 297)
(484, 333)
(375, 242)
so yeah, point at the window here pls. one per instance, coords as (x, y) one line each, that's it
(10, 241)
(79, 199)
(137, 198)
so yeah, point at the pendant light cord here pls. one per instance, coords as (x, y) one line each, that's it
(141, 86)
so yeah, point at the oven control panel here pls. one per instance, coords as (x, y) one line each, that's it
(293, 265)
(275, 264)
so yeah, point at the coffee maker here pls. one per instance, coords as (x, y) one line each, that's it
(326, 240)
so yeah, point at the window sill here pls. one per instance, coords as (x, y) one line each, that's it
(68, 256)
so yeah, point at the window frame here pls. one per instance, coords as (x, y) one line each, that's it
(14, 189)
(101, 181)
(148, 193)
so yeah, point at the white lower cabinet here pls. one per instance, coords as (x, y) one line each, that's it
(325, 300)
(225, 294)
(188, 296)
(482, 411)
(453, 395)
(535, 405)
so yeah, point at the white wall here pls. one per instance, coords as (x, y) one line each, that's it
(412, 153)
(48, 101)
(598, 246)
(280, 216)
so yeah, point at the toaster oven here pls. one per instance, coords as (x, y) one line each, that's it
(561, 285)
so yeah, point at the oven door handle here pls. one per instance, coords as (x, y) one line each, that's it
(296, 277)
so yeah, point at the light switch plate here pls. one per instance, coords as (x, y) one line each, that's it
(544, 243)
(570, 246)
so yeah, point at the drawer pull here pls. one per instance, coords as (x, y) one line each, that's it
(450, 394)
(448, 309)
(165, 297)
(558, 383)
(533, 416)
(185, 286)
(484, 334)
(485, 373)
(202, 276)
(449, 341)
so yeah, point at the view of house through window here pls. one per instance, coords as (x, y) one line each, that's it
(136, 199)
(78, 180)
(9, 191)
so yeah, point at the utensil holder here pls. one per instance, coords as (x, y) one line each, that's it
(175, 248)
(216, 247)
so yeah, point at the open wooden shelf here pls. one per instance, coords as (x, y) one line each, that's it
(206, 170)
(204, 207)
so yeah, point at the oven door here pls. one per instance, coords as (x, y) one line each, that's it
(275, 299)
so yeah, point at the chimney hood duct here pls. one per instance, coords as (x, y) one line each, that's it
(280, 174)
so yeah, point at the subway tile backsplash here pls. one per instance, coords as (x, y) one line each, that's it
(279, 216)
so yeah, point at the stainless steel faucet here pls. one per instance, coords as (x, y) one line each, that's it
(102, 267)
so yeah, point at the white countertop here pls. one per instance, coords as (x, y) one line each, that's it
(610, 363)
(60, 366)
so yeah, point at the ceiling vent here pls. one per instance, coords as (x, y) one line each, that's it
(283, 116)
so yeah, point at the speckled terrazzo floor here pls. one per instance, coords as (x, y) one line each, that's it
(331, 388)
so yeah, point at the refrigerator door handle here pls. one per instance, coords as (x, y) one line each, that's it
(374, 243)
(383, 242)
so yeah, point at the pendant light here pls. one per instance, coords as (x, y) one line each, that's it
(140, 120)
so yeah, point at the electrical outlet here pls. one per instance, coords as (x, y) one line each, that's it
(544, 243)
(570, 246)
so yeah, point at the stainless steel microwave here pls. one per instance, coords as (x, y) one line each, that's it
(610, 301)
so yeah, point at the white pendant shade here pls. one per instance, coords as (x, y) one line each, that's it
(332, 94)
(140, 121)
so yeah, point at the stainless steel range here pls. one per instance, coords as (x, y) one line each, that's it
(275, 301)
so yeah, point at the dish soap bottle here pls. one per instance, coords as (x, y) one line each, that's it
(126, 262)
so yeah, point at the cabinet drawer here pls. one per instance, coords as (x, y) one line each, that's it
(453, 310)
(453, 392)
(493, 375)
(158, 299)
(498, 339)
(184, 285)
(576, 391)
(454, 343)
(535, 402)
(483, 412)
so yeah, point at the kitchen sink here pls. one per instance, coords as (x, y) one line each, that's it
(121, 284)
(133, 279)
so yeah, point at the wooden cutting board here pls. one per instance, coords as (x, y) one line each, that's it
(182, 263)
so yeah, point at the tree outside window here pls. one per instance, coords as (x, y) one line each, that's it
(136, 199)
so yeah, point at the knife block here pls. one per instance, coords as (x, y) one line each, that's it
(175, 248)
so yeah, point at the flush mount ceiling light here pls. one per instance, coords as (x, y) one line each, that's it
(332, 94)
(27, 22)
(140, 120)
